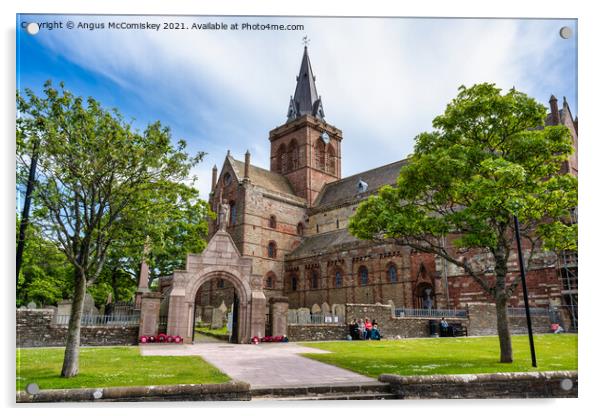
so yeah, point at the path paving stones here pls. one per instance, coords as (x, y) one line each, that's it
(277, 364)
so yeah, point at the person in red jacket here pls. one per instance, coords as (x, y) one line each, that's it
(368, 325)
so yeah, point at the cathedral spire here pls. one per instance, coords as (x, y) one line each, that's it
(306, 99)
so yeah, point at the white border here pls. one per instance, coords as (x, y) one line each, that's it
(589, 96)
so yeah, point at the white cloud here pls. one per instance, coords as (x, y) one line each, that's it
(382, 80)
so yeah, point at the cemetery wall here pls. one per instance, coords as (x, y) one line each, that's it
(316, 332)
(35, 328)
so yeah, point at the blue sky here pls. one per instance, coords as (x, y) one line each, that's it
(382, 81)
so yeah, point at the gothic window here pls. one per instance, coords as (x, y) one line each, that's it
(317, 228)
(293, 151)
(300, 229)
(338, 279)
(227, 179)
(330, 162)
(272, 250)
(363, 273)
(293, 282)
(232, 213)
(392, 272)
(281, 158)
(315, 283)
(320, 154)
(220, 283)
(272, 221)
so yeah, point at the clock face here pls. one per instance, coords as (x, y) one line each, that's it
(325, 137)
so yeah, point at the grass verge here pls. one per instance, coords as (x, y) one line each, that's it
(425, 356)
(110, 367)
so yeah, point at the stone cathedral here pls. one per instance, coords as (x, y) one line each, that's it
(291, 221)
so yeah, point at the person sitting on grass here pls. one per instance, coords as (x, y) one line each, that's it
(368, 325)
(354, 330)
(556, 328)
(362, 329)
(375, 332)
(444, 328)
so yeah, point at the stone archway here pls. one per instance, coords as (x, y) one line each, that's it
(242, 290)
(221, 259)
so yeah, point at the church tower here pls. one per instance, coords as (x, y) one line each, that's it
(306, 149)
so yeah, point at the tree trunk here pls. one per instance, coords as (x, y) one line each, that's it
(26, 206)
(71, 359)
(503, 329)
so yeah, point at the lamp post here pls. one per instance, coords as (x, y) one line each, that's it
(525, 291)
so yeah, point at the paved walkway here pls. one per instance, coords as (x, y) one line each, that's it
(263, 365)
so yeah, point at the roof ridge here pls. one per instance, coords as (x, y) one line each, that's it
(363, 173)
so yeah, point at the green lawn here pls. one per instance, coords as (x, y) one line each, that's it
(424, 356)
(111, 366)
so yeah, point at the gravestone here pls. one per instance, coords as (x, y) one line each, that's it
(339, 311)
(219, 316)
(32, 305)
(392, 305)
(325, 308)
(315, 308)
(303, 316)
(89, 308)
(207, 313)
(64, 308)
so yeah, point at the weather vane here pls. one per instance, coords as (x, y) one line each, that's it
(306, 40)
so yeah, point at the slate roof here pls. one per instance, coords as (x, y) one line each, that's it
(262, 177)
(306, 99)
(346, 188)
(319, 243)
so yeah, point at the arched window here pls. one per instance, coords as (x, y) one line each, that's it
(300, 228)
(293, 282)
(272, 221)
(363, 274)
(320, 150)
(269, 281)
(338, 279)
(220, 283)
(392, 273)
(315, 279)
(330, 162)
(272, 250)
(227, 179)
(232, 213)
(293, 151)
(281, 155)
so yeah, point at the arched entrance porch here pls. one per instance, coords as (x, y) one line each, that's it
(220, 260)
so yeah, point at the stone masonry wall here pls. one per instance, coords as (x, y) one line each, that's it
(553, 384)
(483, 321)
(391, 327)
(35, 328)
(317, 332)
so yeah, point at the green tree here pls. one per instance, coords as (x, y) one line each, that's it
(46, 275)
(487, 160)
(92, 175)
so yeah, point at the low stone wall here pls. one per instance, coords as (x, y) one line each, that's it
(231, 391)
(316, 332)
(36, 328)
(553, 384)
(392, 327)
(482, 320)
